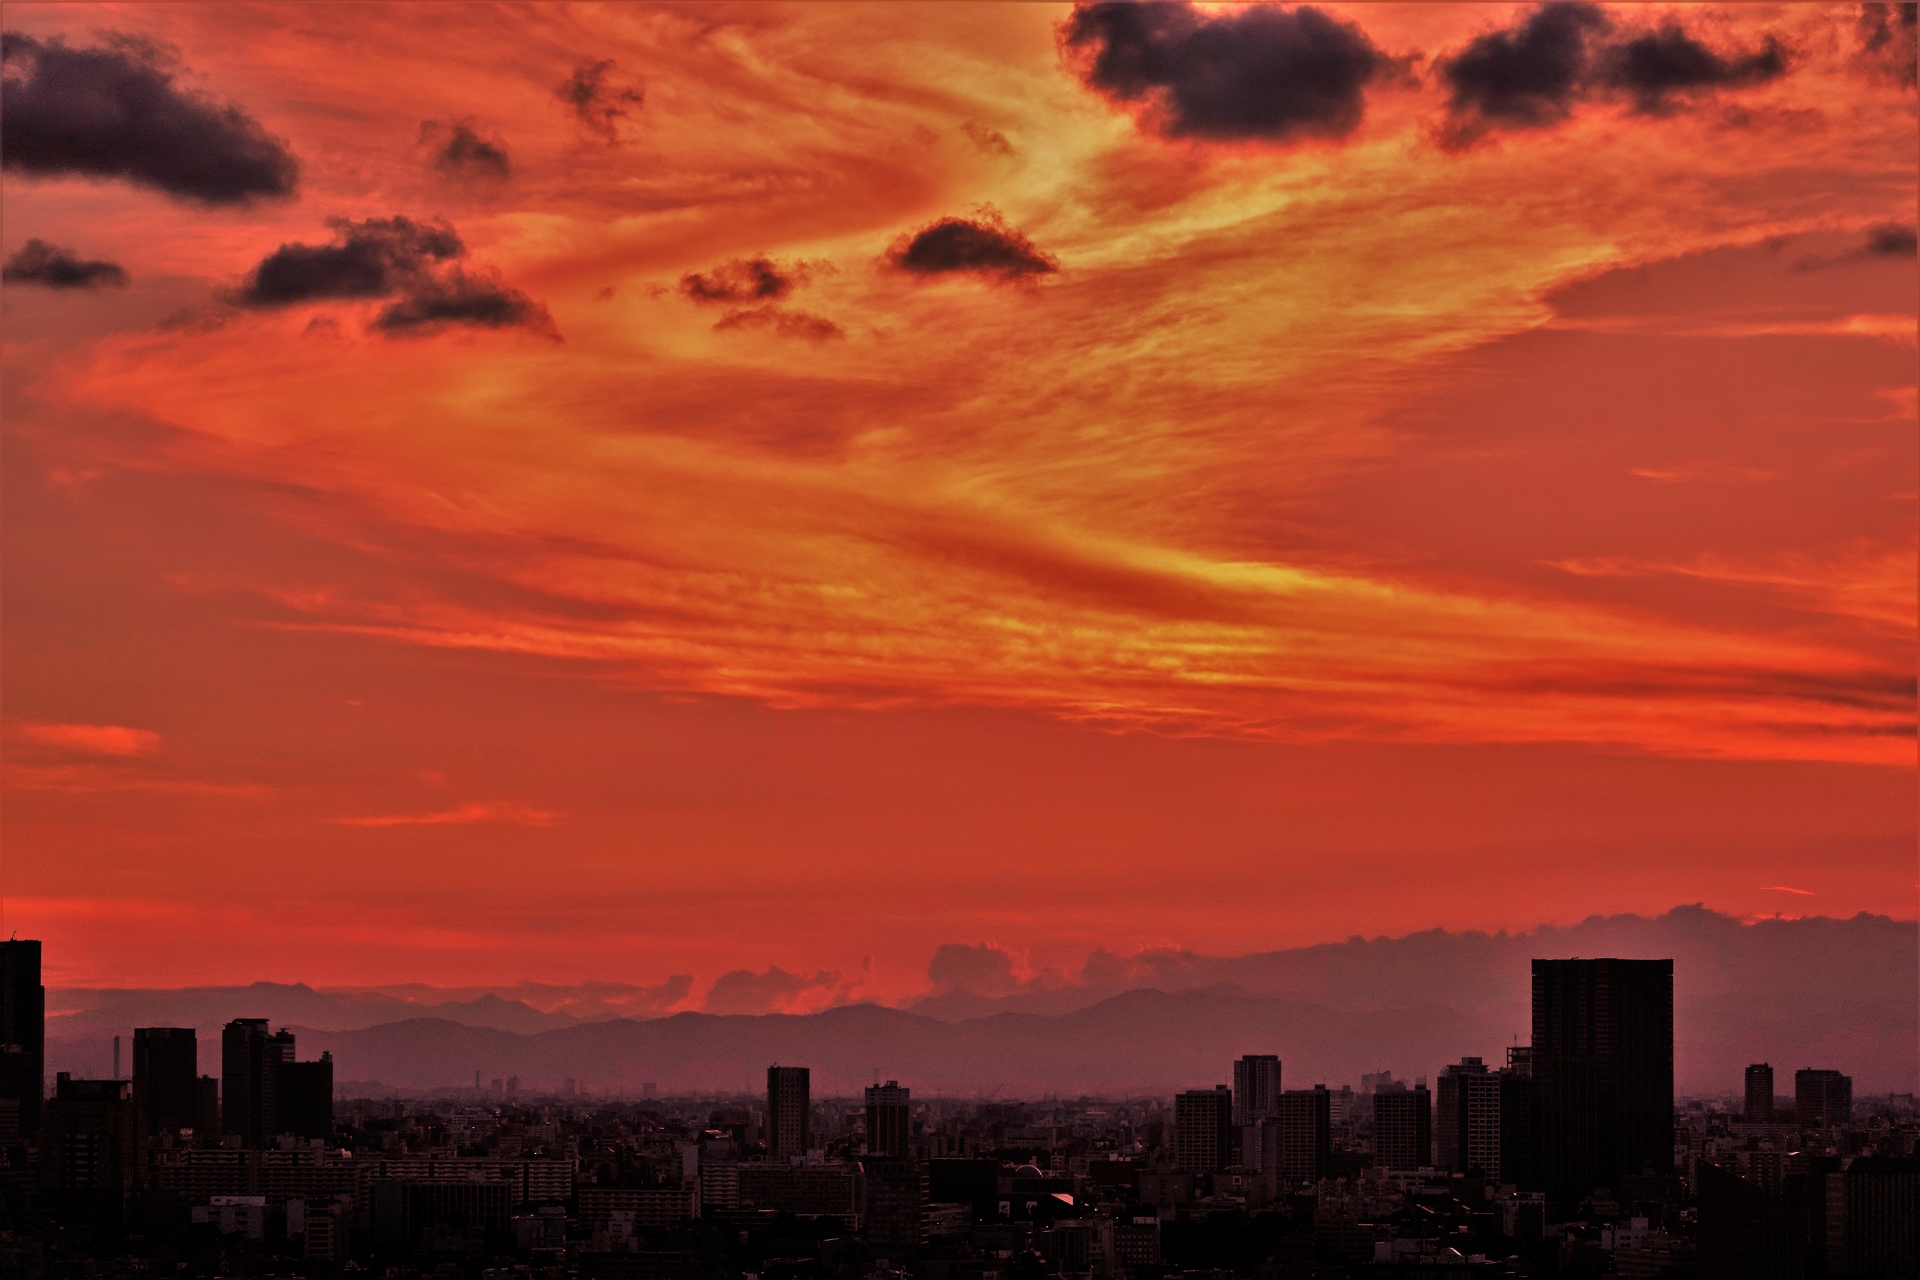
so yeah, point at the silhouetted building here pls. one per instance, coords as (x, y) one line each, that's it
(1822, 1098)
(1256, 1088)
(303, 1098)
(402, 1211)
(1467, 1126)
(889, 1120)
(23, 1037)
(1203, 1133)
(896, 1207)
(1519, 1124)
(86, 1144)
(1306, 1133)
(1602, 1065)
(1759, 1108)
(1875, 1206)
(789, 1103)
(1749, 1232)
(975, 1183)
(206, 1107)
(1402, 1128)
(250, 1061)
(166, 1073)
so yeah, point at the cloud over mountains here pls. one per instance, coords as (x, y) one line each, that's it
(1813, 991)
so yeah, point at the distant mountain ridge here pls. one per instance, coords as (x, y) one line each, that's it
(1810, 992)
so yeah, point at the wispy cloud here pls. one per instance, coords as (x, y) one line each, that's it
(89, 739)
(484, 811)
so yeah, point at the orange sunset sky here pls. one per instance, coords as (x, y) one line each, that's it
(1409, 511)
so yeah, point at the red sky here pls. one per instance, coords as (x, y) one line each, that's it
(1351, 534)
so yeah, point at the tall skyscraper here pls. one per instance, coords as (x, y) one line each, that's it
(1823, 1098)
(889, 1123)
(1402, 1128)
(1306, 1133)
(206, 1110)
(789, 1102)
(250, 1061)
(303, 1098)
(1467, 1126)
(1519, 1123)
(1759, 1109)
(166, 1071)
(1602, 1063)
(1256, 1088)
(23, 1037)
(1203, 1133)
(246, 1081)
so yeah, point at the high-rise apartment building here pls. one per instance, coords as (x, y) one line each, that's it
(1467, 1126)
(1822, 1098)
(1759, 1108)
(87, 1141)
(1306, 1133)
(247, 1078)
(896, 1207)
(255, 1067)
(1402, 1128)
(1256, 1088)
(1519, 1122)
(206, 1107)
(23, 1037)
(889, 1120)
(1602, 1066)
(303, 1098)
(789, 1103)
(1203, 1132)
(166, 1072)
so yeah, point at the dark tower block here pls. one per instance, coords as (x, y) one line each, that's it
(1602, 1065)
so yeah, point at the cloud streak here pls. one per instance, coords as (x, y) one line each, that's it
(89, 739)
(486, 811)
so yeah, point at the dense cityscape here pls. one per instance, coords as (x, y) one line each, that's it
(1571, 1157)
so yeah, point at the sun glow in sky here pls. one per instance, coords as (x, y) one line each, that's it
(614, 491)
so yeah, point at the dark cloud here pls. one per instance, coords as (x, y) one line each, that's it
(596, 101)
(788, 324)
(460, 150)
(984, 246)
(53, 267)
(1532, 75)
(980, 967)
(1652, 68)
(1528, 76)
(744, 991)
(115, 112)
(1888, 47)
(1891, 241)
(1259, 72)
(463, 298)
(371, 259)
(414, 263)
(745, 280)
